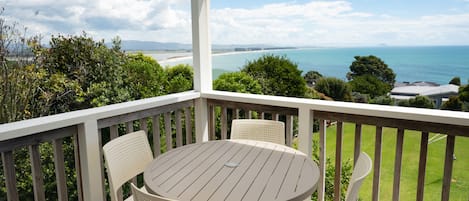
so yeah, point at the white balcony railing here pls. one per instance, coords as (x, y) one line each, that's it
(169, 121)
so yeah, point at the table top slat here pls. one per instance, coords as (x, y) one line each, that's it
(307, 175)
(171, 158)
(196, 173)
(287, 190)
(224, 172)
(182, 160)
(209, 173)
(232, 170)
(187, 169)
(230, 182)
(266, 174)
(273, 187)
(245, 183)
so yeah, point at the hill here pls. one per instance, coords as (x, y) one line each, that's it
(135, 45)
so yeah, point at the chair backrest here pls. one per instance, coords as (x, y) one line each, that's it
(257, 129)
(360, 171)
(140, 195)
(126, 157)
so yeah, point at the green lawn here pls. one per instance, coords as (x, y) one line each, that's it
(434, 173)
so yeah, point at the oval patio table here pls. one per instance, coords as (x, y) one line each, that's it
(232, 170)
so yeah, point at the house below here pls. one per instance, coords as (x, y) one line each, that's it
(438, 93)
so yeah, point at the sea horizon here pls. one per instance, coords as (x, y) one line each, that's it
(437, 64)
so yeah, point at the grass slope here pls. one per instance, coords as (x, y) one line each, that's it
(435, 162)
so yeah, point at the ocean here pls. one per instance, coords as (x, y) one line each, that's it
(437, 64)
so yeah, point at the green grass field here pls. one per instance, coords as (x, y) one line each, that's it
(435, 162)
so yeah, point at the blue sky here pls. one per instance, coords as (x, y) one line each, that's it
(274, 22)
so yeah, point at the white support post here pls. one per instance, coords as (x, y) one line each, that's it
(201, 45)
(202, 60)
(305, 130)
(201, 120)
(90, 163)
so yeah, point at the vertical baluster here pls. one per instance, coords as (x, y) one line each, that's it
(101, 160)
(168, 131)
(224, 122)
(262, 115)
(236, 114)
(447, 174)
(398, 164)
(249, 114)
(358, 143)
(76, 151)
(276, 116)
(377, 163)
(114, 132)
(188, 118)
(422, 166)
(10, 176)
(144, 125)
(178, 128)
(289, 130)
(322, 160)
(338, 161)
(211, 122)
(60, 169)
(129, 126)
(156, 135)
(36, 170)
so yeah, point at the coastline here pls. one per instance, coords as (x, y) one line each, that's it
(177, 58)
(433, 64)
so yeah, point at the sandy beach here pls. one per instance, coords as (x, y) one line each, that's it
(175, 57)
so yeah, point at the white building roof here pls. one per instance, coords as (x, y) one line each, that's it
(441, 90)
(410, 91)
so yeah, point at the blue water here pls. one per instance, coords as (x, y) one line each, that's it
(435, 64)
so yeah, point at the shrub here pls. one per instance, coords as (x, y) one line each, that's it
(334, 88)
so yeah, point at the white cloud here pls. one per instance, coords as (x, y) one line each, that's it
(141, 19)
(334, 23)
(311, 23)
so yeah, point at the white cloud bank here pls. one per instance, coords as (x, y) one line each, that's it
(316, 23)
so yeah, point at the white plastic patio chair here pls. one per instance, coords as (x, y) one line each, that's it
(360, 171)
(257, 129)
(126, 157)
(141, 195)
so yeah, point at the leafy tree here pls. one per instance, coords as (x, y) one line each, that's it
(369, 84)
(453, 104)
(237, 82)
(311, 77)
(419, 102)
(382, 100)
(374, 66)
(455, 81)
(464, 93)
(28, 91)
(334, 88)
(179, 78)
(277, 75)
(145, 77)
(312, 93)
(358, 97)
(96, 69)
(19, 77)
